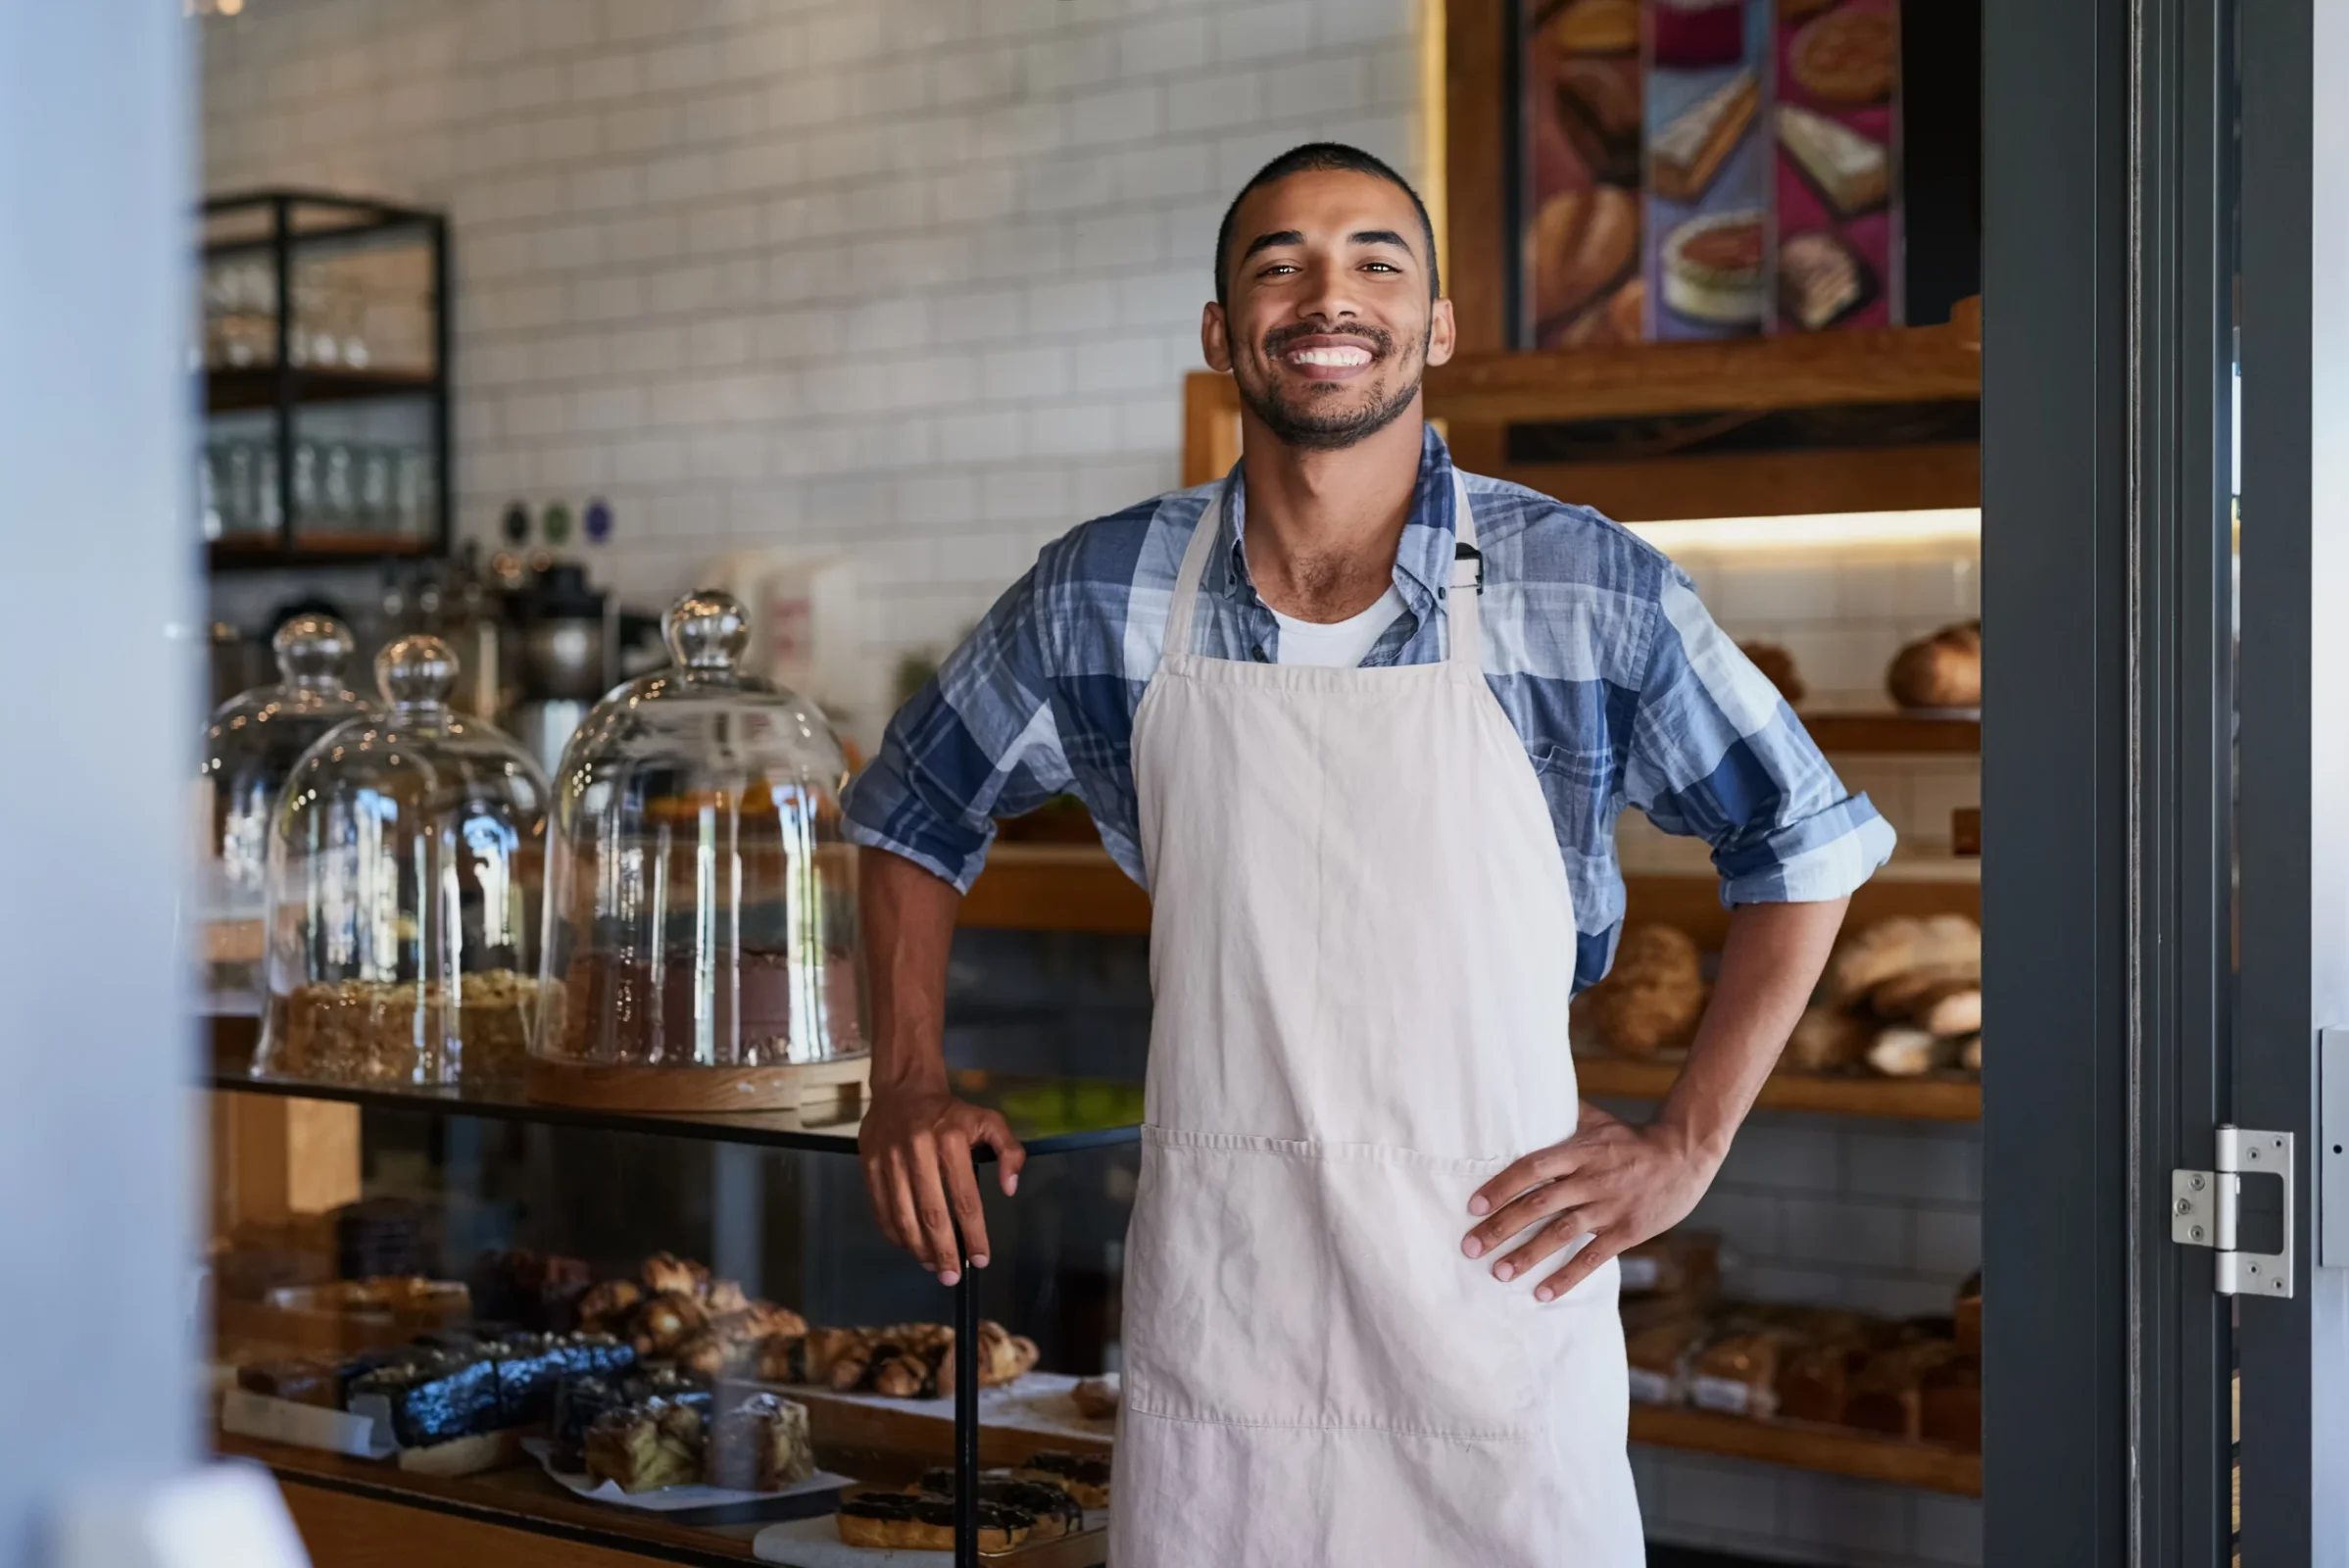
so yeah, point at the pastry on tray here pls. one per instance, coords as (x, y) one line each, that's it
(581, 1401)
(1051, 1511)
(1083, 1476)
(608, 1306)
(1095, 1399)
(762, 1445)
(907, 1522)
(1002, 1357)
(665, 1322)
(646, 1447)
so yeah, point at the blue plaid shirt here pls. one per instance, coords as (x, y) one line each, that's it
(1621, 686)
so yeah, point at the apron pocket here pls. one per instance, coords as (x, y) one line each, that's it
(1280, 1283)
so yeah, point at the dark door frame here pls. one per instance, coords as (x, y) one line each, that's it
(2121, 1033)
(2106, 773)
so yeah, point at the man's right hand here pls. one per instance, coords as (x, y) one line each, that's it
(916, 1145)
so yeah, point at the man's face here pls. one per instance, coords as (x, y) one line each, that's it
(1326, 324)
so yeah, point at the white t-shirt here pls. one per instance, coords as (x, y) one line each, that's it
(1337, 644)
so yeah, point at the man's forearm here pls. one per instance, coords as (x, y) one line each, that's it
(908, 920)
(1771, 961)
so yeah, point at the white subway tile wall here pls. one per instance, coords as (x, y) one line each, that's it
(917, 282)
(913, 281)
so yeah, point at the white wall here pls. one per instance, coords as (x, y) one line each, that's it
(918, 278)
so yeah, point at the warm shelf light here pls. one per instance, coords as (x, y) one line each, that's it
(1826, 530)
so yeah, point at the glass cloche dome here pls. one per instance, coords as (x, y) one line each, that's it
(404, 868)
(249, 748)
(700, 939)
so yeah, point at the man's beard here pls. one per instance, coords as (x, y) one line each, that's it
(1308, 429)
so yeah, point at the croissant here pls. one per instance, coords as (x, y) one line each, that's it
(606, 1305)
(725, 1295)
(667, 1321)
(851, 1362)
(904, 1376)
(666, 1271)
(1002, 1357)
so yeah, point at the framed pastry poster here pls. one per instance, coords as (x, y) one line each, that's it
(1708, 175)
(1579, 81)
(1840, 259)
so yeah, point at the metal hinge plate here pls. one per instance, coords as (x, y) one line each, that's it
(2205, 1208)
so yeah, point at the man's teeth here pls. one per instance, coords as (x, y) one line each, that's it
(1340, 358)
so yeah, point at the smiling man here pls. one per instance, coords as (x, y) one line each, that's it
(1362, 725)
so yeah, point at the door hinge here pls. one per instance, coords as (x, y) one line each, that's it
(2204, 1210)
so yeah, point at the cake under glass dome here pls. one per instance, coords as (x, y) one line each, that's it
(700, 948)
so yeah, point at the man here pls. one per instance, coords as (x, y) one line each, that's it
(1362, 725)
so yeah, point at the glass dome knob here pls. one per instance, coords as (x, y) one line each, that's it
(312, 650)
(707, 630)
(415, 670)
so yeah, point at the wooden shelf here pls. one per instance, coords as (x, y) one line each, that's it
(1938, 1099)
(1694, 903)
(1077, 887)
(227, 391)
(1055, 887)
(1804, 1448)
(1894, 734)
(1796, 370)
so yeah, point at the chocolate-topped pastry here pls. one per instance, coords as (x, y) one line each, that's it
(531, 1366)
(433, 1398)
(1083, 1476)
(1055, 1511)
(909, 1521)
(300, 1382)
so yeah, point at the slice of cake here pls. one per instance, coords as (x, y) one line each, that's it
(647, 1447)
(762, 1445)
(1854, 172)
(1690, 151)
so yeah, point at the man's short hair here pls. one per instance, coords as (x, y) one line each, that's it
(1322, 156)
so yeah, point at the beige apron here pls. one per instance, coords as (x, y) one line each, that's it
(1363, 948)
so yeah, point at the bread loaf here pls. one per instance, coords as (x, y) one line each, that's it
(1829, 1039)
(1582, 242)
(1946, 947)
(1777, 666)
(1910, 1052)
(1943, 671)
(1654, 995)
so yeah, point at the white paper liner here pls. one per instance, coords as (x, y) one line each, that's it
(670, 1500)
(306, 1425)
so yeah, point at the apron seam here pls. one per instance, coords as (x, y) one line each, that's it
(1381, 1428)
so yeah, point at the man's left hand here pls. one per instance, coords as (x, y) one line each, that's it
(1618, 1182)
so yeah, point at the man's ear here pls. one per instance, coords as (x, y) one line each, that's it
(1214, 342)
(1443, 333)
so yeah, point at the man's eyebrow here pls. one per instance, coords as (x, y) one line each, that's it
(1265, 242)
(1379, 236)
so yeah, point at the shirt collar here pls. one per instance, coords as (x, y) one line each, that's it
(1423, 557)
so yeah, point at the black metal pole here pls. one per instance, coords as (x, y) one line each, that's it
(281, 429)
(966, 1411)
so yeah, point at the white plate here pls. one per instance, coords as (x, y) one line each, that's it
(673, 1499)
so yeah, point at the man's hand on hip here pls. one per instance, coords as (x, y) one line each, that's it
(916, 1145)
(1617, 1183)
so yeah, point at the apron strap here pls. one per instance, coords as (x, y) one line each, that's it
(1467, 583)
(1181, 606)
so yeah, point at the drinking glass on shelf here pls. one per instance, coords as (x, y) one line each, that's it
(342, 504)
(269, 516)
(208, 490)
(241, 508)
(305, 481)
(376, 488)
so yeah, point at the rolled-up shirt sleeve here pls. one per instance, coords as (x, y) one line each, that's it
(978, 742)
(1716, 753)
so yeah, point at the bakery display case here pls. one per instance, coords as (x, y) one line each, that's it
(515, 1332)
(249, 749)
(702, 934)
(403, 894)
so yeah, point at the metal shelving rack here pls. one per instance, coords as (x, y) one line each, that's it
(298, 218)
